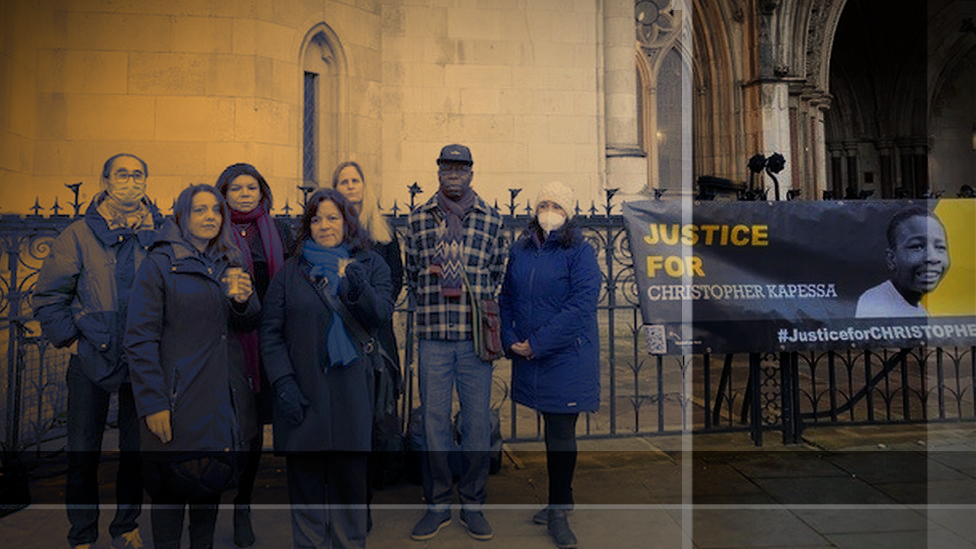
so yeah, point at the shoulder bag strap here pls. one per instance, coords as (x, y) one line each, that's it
(345, 314)
(366, 341)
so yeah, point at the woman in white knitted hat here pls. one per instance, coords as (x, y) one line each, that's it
(549, 329)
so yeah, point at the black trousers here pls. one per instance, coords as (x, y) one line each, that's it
(168, 509)
(560, 456)
(327, 491)
(251, 460)
(88, 406)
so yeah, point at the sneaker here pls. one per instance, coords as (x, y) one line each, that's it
(430, 524)
(477, 524)
(129, 540)
(243, 533)
(559, 529)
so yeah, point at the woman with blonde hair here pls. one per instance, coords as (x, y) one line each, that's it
(348, 179)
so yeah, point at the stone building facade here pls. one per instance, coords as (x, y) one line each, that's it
(596, 93)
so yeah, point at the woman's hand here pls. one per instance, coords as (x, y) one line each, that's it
(245, 288)
(358, 279)
(159, 425)
(522, 348)
(237, 284)
(290, 402)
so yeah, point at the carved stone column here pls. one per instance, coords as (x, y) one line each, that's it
(768, 97)
(920, 163)
(836, 169)
(820, 104)
(626, 166)
(851, 185)
(886, 161)
(906, 171)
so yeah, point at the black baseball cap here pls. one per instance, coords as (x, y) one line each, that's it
(455, 153)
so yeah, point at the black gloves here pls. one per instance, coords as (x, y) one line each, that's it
(289, 400)
(358, 279)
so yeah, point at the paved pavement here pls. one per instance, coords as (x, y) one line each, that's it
(845, 487)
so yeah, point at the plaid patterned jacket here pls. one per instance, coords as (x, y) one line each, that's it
(446, 318)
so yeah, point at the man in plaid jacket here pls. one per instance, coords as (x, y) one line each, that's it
(454, 251)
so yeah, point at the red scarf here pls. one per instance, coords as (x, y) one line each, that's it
(274, 250)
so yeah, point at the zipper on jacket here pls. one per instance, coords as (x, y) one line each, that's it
(236, 439)
(175, 391)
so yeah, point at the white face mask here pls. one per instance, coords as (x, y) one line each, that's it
(551, 221)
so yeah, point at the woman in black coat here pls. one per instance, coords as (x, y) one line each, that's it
(323, 388)
(189, 300)
(265, 245)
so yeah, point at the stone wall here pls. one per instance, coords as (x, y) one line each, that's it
(194, 86)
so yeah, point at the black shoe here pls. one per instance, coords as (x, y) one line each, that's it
(243, 534)
(559, 529)
(542, 517)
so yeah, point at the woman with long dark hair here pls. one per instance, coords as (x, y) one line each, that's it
(191, 296)
(265, 245)
(322, 382)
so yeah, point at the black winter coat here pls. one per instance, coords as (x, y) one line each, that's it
(390, 252)
(294, 328)
(182, 355)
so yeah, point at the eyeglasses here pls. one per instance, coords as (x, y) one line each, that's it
(123, 176)
(461, 168)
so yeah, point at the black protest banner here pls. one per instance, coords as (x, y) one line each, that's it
(770, 276)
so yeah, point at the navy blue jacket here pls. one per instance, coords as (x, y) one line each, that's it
(182, 353)
(294, 328)
(82, 291)
(549, 297)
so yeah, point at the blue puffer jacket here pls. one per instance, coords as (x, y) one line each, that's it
(182, 352)
(549, 297)
(82, 291)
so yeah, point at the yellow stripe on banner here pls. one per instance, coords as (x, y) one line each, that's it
(956, 295)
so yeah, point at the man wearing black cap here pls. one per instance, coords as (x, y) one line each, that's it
(455, 237)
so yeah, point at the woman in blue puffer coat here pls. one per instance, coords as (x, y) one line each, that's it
(548, 311)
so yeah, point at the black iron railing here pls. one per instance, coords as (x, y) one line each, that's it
(640, 393)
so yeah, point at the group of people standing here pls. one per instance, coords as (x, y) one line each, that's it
(217, 322)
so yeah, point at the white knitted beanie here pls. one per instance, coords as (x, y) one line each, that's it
(559, 193)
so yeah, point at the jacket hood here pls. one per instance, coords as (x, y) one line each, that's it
(170, 234)
(99, 227)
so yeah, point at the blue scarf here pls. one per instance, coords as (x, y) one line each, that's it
(325, 263)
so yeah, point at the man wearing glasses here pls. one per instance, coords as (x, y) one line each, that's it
(81, 296)
(455, 237)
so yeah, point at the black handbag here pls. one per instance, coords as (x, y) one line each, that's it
(200, 477)
(387, 436)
